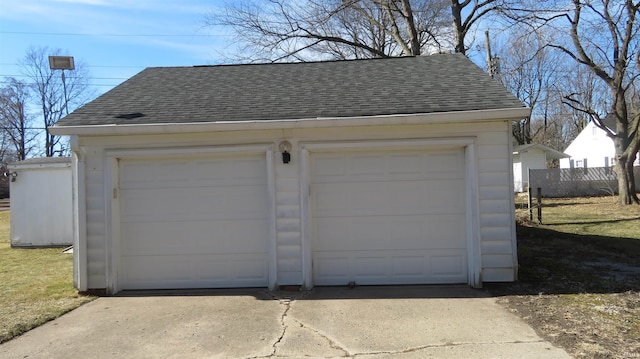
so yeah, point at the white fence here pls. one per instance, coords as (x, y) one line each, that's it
(576, 182)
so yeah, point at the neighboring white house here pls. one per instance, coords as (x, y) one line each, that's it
(41, 202)
(531, 156)
(367, 171)
(592, 148)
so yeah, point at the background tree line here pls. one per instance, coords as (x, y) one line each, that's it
(35, 101)
(571, 61)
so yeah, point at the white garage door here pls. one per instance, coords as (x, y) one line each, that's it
(194, 222)
(388, 217)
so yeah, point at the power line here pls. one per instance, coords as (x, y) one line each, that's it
(105, 34)
(100, 66)
(71, 77)
(84, 84)
(26, 128)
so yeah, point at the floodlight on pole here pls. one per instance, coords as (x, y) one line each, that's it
(62, 63)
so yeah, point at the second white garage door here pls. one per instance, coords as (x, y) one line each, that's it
(194, 222)
(388, 217)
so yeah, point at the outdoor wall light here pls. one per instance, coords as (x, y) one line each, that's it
(13, 175)
(285, 148)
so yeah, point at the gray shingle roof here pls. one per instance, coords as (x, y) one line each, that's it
(425, 84)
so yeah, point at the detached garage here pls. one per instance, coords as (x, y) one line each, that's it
(373, 172)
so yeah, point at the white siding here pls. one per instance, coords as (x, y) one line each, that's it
(496, 204)
(288, 221)
(494, 186)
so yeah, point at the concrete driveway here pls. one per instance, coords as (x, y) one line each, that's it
(364, 322)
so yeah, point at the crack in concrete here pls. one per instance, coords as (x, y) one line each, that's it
(332, 343)
(287, 301)
(445, 345)
(287, 306)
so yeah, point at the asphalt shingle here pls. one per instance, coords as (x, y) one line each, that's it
(263, 92)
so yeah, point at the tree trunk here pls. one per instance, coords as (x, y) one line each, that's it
(624, 195)
(411, 28)
(458, 31)
(632, 182)
(627, 193)
(48, 143)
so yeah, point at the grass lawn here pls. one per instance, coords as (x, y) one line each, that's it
(579, 276)
(600, 216)
(35, 285)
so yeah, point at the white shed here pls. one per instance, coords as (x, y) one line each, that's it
(41, 202)
(367, 171)
(533, 156)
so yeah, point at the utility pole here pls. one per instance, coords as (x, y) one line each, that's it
(62, 63)
(490, 68)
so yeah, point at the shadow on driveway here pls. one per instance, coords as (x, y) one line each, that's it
(324, 293)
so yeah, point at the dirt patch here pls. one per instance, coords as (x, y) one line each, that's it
(579, 291)
(586, 325)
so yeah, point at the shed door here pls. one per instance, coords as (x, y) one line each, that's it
(194, 222)
(388, 217)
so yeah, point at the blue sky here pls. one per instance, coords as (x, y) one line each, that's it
(114, 38)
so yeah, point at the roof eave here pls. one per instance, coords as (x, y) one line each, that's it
(548, 151)
(421, 118)
(556, 155)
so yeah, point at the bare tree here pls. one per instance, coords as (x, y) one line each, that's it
(345, 29)
(581, 94)
(528, 70)
(14, 119)
(466, 14)
(305, 30)
(604, 37)
(7, 152)
(54, 98)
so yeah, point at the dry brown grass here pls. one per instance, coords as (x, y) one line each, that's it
(35, 285)
(579, 282)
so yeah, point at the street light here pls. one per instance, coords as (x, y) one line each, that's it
(62, 63)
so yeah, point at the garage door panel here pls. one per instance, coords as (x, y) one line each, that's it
(414, 165)
(194, 237)
(194, 271)
(192, 172)
(199, 221)
(389, 217)
(448, 265)
(384, 232)
(198, 203)
(390, 267)
(392, 197)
